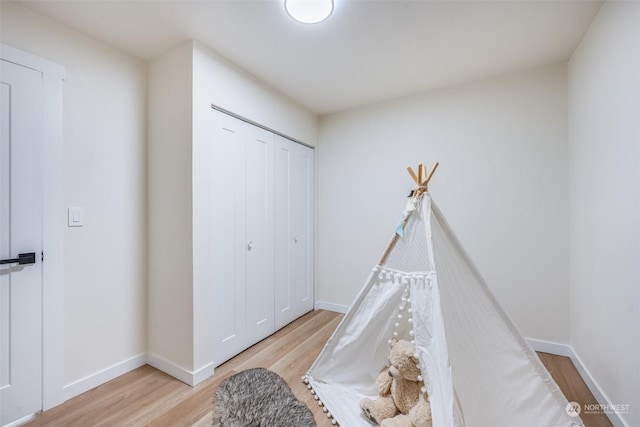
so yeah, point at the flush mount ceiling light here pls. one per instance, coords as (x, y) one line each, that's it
(309, 11)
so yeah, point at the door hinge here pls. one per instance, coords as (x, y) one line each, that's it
(42, 256)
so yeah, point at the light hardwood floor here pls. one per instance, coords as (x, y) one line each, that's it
(148, 397)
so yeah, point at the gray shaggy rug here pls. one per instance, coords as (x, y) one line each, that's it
(258, 398)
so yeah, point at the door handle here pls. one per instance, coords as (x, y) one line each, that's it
(28, 258)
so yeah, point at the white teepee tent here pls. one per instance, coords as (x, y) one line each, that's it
(478, 369)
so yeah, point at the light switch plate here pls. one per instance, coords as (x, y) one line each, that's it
(76, 217)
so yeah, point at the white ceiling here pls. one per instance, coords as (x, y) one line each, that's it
(367, 51)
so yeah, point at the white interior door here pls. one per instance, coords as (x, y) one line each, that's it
(303, 229)
(228, 237)
(20, 233)
(284, 309)
(294, 191)
(260, 233)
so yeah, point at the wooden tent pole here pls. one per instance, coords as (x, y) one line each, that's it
(413, 174)
(392, 243)
(394, 239)
(433, 170)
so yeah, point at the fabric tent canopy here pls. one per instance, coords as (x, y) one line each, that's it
(477, 368)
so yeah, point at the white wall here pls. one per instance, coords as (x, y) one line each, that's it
(170, 297)
(104, 172)
(224, 84)
(604, 176)
(502, 183)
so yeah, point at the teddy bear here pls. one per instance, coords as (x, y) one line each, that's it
(400, 401)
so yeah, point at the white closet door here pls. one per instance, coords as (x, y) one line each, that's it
(294, 231)
(284, 310)
(228, 198)
(260, 233)
(302, 219)
(262, 239)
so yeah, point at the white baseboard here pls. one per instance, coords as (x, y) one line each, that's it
(568, 351)
(191, 378)
(324, 305)
(597, 391)
(21, 421)
(188, 377)
(85, 384)
(550, 347)
(202, 374)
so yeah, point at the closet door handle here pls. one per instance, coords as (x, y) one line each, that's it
(295, 239)
(249, 245)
